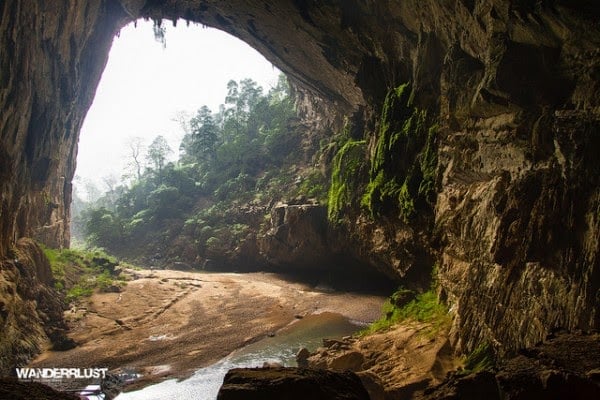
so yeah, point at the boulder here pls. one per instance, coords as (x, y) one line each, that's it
(291, 384)
(373, 384)
(272, 364)
(302, 357)
(298, 236)
(349, 360)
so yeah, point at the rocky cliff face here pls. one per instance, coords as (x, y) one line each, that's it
(512, 86)
(520, 231)
(298, 236)
(53, 54)
(30, 310)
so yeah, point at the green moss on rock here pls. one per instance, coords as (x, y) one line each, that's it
(347, 164)
(428, 163)
(404, 163)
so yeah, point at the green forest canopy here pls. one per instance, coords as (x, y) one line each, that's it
(222, 158)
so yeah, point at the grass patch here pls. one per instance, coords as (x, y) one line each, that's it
(424, 307)
(483, 358)
(78, 291)
(77, 273)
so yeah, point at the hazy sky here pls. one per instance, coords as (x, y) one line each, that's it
(145, 85)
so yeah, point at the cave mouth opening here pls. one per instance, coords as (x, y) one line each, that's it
(150, 84)
(151, 87)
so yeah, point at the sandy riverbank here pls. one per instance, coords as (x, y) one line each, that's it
(169, 323)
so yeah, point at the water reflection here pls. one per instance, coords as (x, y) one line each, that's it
(282, 348)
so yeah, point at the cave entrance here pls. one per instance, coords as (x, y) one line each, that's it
(149, 85)
(179, 202)
(156, 79)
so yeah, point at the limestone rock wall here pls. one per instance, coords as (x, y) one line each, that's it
(298, 236)
(520, 234)
(30, 310)
(53, 54)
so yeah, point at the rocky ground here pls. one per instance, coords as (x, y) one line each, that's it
(11, 388)
(168, 323)
(412, 361)
(395, 363)
(564, 366)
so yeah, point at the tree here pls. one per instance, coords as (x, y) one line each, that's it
(158, 151)
(275, 120)
(91, 190)
(241, 99)
(163, 201)
(111, 182)
(136, 147)
(250, 94)
(204, 135)
(281, 92)
(111, 194)
(231, 156)
(103, 228)
(233, 94)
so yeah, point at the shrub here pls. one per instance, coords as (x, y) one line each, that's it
(424, 307)
(78, 291)
(77, 272)
(213, 245)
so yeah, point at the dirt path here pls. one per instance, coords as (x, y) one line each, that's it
(170, 323)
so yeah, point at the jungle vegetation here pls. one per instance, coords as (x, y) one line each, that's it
(236, 155)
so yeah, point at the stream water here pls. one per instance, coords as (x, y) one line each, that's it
(282, 348)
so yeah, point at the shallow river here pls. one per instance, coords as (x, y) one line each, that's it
(204, 383)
